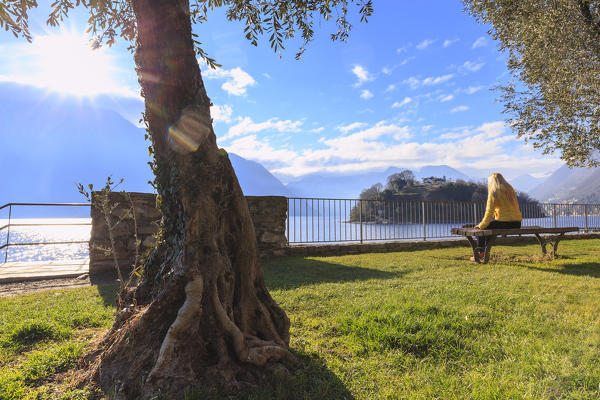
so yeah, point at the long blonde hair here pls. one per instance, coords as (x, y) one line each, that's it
(498, 187)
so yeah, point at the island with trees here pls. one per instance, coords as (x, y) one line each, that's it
(401, 201)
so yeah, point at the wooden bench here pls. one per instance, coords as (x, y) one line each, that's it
(554, 236)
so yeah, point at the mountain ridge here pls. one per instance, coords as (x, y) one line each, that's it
(52, 142)
(570, 185)
(349, 186)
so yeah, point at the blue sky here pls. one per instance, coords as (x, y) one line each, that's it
(409, 88)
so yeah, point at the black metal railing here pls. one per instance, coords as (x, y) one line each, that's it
(323, 220)
(7, 227)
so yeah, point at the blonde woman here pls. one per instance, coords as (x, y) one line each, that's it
(502, 209)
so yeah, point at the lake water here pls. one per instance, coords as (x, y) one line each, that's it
(44, 234)
(318, 229)
(301, 230)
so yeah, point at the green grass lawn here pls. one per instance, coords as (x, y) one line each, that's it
(411, 325)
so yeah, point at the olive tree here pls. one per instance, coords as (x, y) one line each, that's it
(201, 312)
(553, 50)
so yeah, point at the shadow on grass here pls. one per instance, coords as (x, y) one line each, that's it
(108, 292)
(591, 269)
(311, 380)
(291, 273)
(108, 284)
(499, 255)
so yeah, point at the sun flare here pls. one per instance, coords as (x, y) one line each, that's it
(67, 63)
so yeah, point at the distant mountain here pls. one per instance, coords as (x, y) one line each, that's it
(570, 185)
(441, 171)
(525, 183)
(350, 185)
(49, 142)
(255, 180)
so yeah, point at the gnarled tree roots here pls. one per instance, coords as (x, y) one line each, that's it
(190, 336)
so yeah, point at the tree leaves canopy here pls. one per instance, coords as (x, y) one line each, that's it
(278, 19)
(396, 182)
(553, 49)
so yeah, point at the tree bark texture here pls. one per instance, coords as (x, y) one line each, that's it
(202, 312)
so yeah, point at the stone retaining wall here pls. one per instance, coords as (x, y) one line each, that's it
(268, 214)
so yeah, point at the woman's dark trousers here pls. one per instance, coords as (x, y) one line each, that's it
(482, 240)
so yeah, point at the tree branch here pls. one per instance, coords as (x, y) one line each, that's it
(585, 7)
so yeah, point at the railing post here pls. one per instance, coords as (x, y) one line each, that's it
(288, 220)
(8, 233)
(424, 227)
(475, 213)
(360, 217)
(585, 210)
(554, 214)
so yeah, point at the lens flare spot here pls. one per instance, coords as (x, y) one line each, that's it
(192, 127)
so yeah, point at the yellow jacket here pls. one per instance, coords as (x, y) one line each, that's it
(502, 207)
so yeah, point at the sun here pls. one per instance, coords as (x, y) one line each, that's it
(67, 63)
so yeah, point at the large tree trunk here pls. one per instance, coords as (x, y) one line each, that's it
(202, 312)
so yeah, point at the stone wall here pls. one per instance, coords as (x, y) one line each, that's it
(268, 214)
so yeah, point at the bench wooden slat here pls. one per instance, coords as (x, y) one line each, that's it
(521, 231)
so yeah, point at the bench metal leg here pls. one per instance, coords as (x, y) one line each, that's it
(488, 248)
(477, 250)
(549, 240)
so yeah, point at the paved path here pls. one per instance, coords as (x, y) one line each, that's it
(34, 270)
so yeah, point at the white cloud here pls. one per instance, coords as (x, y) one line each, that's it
(390, 88)
(404, 48)
(488, 146)
(362, 74)
(366, 94)
(473, 66)
(406, 60)
(436, 80)
(473, 89)
(351, 127)
(480, 42)
(487, 130)
(267, 75)
(449, 42)
(246, 125)
(446, 98)
(387, 70)
(250, 147)
(386, 144)
(459, 109)
(425, 44)
(221, 113)
(317, 130)
(492, 129)
(404, 102)
(415, 82)
(237, 80)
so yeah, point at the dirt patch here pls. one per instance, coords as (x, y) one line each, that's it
(27, 286)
